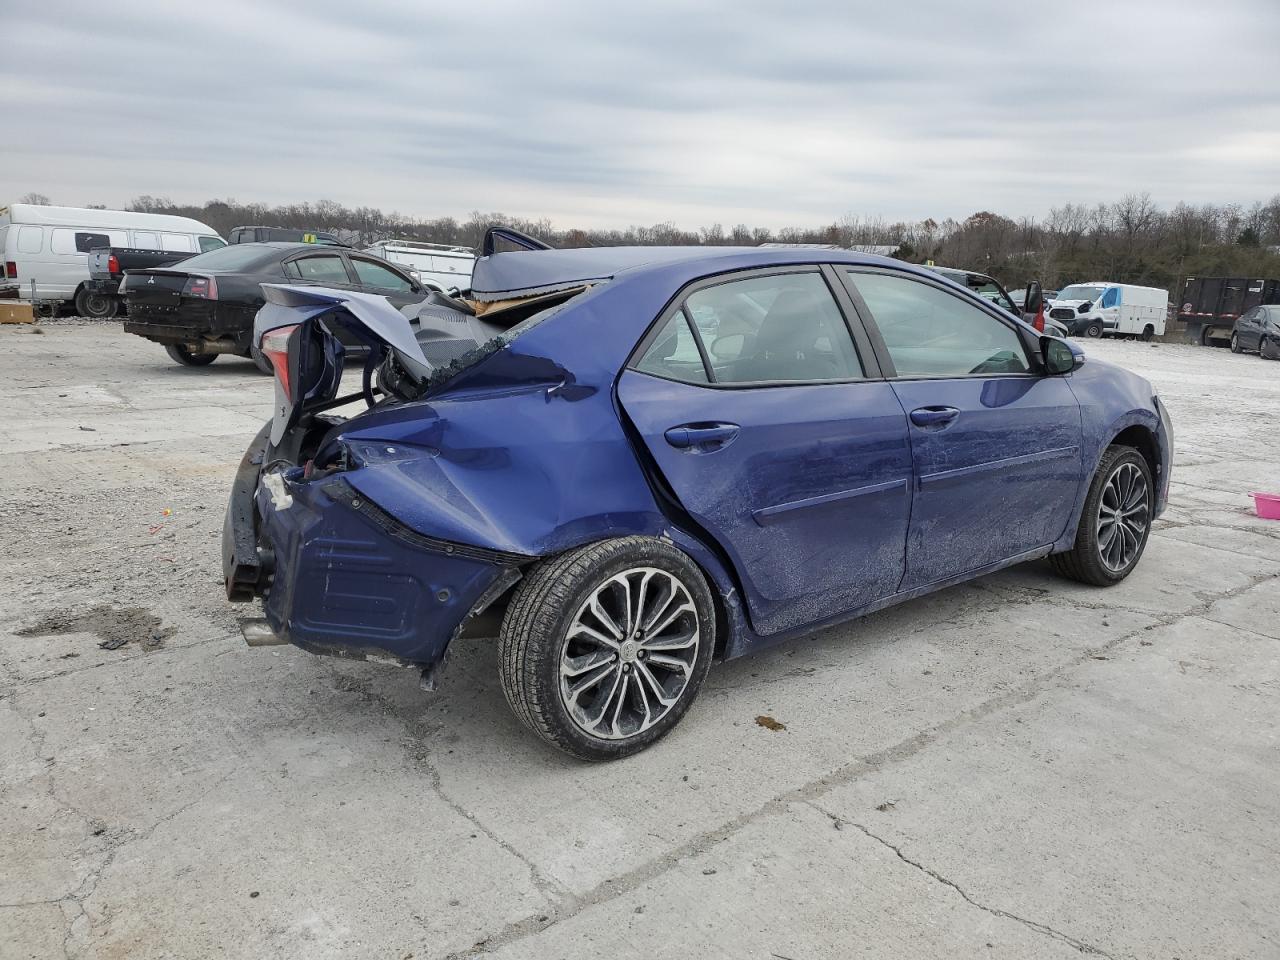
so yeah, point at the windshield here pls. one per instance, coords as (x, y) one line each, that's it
(234, 257)
(1080, 292)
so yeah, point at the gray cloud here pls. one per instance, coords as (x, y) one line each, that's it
(768, 113)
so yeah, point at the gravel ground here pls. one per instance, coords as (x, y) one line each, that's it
(1017, 767)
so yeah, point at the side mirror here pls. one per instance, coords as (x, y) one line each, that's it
(1060, 357)
(1035, 297)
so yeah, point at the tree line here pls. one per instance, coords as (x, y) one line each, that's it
(1131, 240)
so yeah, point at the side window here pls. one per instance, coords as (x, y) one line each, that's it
(1111, 298)
(62, 240)
(319, 269)
(146, 240)
(210, 243)
(931, 333)
(784, 327)
(176, 243)
(30, 239)
(376, 275)
(674, 353)
(87, 241)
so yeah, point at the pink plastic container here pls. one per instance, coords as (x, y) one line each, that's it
(1267, 505)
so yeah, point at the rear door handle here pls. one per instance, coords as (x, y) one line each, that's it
(701, 435)
(933, 416)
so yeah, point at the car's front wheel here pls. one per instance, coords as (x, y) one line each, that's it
(1094, 329)
(603, 648)
(1115, 522)
(1235, 343)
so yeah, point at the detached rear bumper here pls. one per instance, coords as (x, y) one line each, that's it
(340, 576)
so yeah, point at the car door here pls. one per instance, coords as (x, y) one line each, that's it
(1249, 329)
(996, 447)
(764, 413)
(384, 280)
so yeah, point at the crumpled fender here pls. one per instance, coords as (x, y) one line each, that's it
(528, 461)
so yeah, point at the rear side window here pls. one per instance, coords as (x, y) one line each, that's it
(319, 269)
(376, 275)
(932, 333)
(65, 240)
(674, 354)
(30, 239)
(146, 240)
(785, 327)
(176, 243)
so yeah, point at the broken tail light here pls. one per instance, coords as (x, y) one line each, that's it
(202, 288)
(275, 347)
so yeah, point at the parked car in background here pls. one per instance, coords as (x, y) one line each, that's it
(643, 458)
(1210, 306)
(284, 235)
(1099, 308)
(106, 271)
(46, 249)
(438, 265)
(1258, 331)
(203, 307)
(989, 288)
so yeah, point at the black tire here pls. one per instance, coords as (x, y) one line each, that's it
(1235, 343)
(1084, 561)
(1094, 329)
(96, 306)
(1148, 333)
(535, 636)
(1268, 348)
(180, 354)
(260, 361)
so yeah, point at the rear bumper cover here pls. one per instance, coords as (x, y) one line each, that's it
(340, 576)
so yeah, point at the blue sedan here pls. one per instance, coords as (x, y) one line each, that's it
(630, 462)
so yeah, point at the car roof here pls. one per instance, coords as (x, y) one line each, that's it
(527, 272)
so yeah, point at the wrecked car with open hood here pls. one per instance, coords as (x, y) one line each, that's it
(636, 460)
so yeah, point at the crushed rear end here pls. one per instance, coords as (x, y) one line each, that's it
(339, 573)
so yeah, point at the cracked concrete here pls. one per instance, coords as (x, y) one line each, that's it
(1018, 767)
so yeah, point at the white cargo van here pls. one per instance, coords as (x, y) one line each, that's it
(1102, 307)
(49, 246)
(436, 264)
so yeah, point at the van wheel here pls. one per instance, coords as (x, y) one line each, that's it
(603, 648)
(1115, 521)
(96, 306)
(180, 354)
(1094, 329)
(1148, 333)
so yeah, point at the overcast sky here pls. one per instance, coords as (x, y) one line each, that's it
(768, 113)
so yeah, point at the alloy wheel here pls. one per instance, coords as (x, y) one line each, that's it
(1124, 513)
(629, 653)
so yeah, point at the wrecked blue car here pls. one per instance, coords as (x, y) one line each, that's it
(626, 463)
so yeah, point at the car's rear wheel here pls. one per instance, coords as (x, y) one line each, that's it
(1115, 522)
(1235, 343)
(260, 360)
(1094, 329)
(180, 354)
(97, 306)
(603, 648)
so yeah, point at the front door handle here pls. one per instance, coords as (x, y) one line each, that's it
(701, 436)
(933, 416)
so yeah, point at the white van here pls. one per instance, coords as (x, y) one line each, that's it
(436, 264)
(1101, 307)
(45, 250)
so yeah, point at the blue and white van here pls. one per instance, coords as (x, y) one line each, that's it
(1102, 307)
